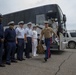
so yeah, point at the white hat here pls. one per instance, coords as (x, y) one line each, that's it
(46, 22)
(29, 23)
(11, 22)
(21, 22)
(37, 24)
(52, 19)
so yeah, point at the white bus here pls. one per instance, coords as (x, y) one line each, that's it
(38, 15)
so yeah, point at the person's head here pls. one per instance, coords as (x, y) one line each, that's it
(11, 24)
(1, 18)
(21, 24)
(34, 27)
(29, 24)
(46, 23)
(53, 20)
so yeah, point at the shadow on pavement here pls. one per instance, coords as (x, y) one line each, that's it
(55, 52)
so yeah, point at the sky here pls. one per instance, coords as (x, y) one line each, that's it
(67, 6)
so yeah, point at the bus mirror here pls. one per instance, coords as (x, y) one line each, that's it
(64, 17)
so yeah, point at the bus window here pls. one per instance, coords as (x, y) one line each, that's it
(40, 19)
(51, 15)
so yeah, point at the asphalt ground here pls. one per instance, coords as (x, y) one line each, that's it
(61, 63)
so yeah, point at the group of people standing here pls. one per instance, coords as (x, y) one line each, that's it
(13, 38)
(18, 36)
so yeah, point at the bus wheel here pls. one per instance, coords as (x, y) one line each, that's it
(71, 45)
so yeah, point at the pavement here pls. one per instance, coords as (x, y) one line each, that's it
(61, 63)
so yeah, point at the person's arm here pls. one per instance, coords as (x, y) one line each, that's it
(6, 34)
(25, 38)
(16, 41)
(17, 31)
(54, 33)
(32, 36)
(16, 35)
(1, 34)
(39, 27)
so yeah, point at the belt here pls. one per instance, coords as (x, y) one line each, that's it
(34, 38)
(48, 38)
(10, 41)
(20, 38)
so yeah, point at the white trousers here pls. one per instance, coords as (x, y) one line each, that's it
(34, 47)
(53, 37)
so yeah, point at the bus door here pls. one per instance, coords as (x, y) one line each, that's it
(49, 16)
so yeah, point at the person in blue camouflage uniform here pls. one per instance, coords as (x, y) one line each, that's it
(10, 37)
(1, 41)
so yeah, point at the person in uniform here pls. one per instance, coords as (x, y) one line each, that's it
(54, 25)
(34, 41)
(1, 41)
(28, 37)
(55, 28)
(10, 38)
(47, 32)
(20, 32)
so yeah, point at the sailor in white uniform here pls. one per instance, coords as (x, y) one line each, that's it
(34, 41)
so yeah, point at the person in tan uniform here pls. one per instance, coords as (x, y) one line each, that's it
(47, 33)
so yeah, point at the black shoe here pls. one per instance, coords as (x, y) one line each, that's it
(2, 65)
(8, 63)
(23, 59)
(14, 61)
(19, 59)
(45, 59)
(29, 57)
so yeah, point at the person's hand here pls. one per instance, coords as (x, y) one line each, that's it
(16, 42)
(32, 40)
(2, 40)
(26, 41)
